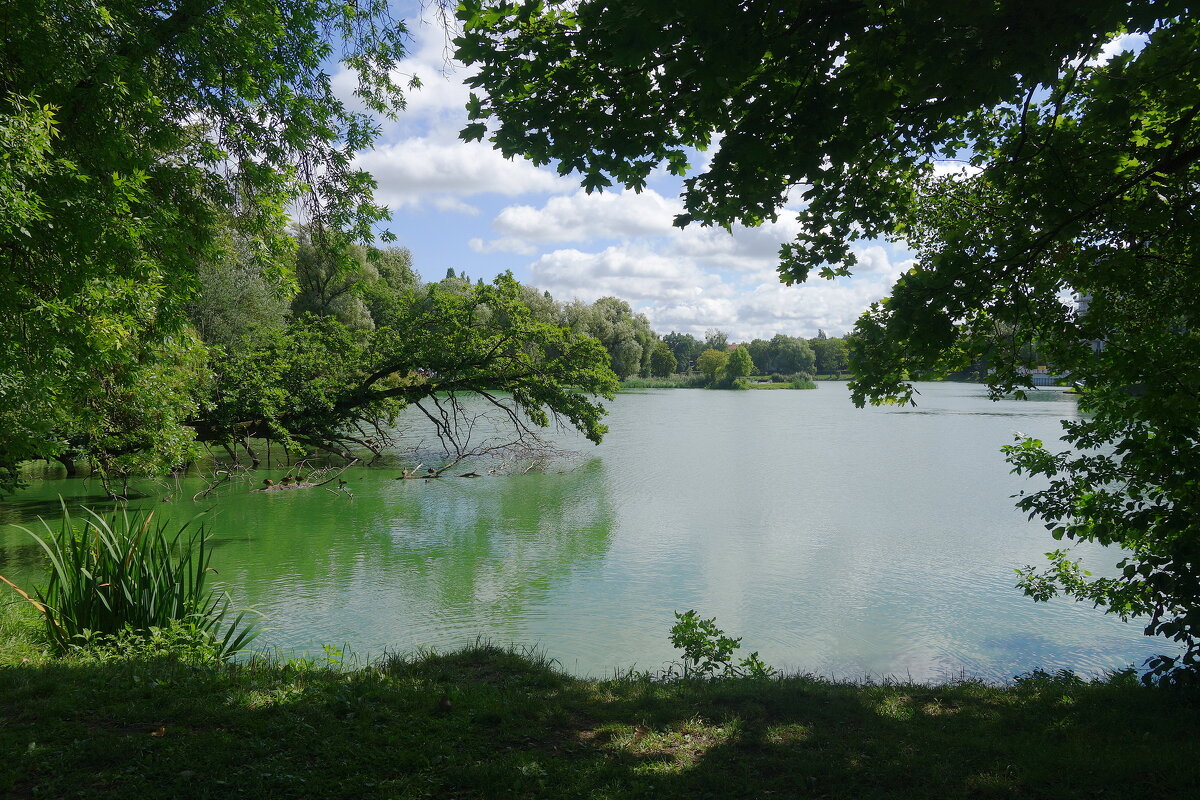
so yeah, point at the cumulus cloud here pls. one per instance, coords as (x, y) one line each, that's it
(506, 245)
(681, 293)
(630, 217)
(424, 170)
(582, 217)
(751, 250)
(637, 274)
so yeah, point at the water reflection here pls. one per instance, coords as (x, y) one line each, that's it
(877, 541)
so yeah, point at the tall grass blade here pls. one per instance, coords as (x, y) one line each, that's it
(128, 572)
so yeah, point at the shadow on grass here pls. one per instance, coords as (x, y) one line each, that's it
(487, 722)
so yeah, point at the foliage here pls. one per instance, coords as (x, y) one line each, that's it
(662, 360)
(131, 132)
(129, 577)
(1079, 176)
(240, 293)
(830, 356)
(802, 381)
(626, 336)
(320, 384)
(328, 279)
(685, 347)
(674, 382)
(716, 339)
(708, 652)
(180, 641)
(739, 364)
(712, 364)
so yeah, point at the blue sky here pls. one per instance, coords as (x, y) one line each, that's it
(463, 206)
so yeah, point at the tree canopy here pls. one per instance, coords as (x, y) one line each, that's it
(1078, 179)
(134, 134)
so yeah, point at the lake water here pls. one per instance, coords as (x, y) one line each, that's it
(842, 541)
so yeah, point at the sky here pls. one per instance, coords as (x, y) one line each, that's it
(463, 206)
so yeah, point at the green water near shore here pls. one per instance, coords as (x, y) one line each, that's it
(832, 539)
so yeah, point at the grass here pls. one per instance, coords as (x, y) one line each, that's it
(487, 721)
(674, 382)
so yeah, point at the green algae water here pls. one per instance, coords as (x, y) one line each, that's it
(836, 540)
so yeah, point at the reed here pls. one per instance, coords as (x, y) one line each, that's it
(130, 573)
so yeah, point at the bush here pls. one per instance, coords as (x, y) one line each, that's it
(777, 378)
(127, 576)
(802, 380)
(708, 652)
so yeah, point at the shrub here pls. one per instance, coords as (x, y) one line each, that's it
(708, 652)
(802, 380)
(109, 578)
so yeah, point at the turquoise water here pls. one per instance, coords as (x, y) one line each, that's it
(837, 540)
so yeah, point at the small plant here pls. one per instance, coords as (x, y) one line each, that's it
(180, 642)
(708, 652)
(108, 578)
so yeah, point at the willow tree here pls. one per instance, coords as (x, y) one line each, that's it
(1076, 175)
(133, 132)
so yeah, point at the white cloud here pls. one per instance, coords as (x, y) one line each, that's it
(445, 203)
(750, 250)
(505, 245)
(425, 170)
(633, 273)
(648, 217)
(955, 169)
(682, 293)
(1121, 44)
(582, 217)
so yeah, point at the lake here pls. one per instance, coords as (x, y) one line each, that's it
(842, 541)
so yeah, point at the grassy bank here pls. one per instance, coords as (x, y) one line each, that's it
(488, 722)
(674, 382)
(700, 382)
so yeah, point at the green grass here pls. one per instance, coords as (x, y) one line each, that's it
(489, 722)
(788, 385)
(674, 382)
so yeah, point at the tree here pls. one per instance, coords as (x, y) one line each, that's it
(712, 363)
(716, 339)
(329, 278)
(760, 353)
(131, 131)
(662, 360)
(1081, 178)
(626, 336)
(322, 385)
(685, 348)
(739, 364)
(831, 356)
(239, 295)
(790, 354)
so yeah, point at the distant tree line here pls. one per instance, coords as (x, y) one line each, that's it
(781, 354)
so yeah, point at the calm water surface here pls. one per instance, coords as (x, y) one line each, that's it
(832, 539)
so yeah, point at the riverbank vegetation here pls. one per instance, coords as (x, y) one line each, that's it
(487, 721)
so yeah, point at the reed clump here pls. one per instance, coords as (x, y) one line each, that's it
(130, 575)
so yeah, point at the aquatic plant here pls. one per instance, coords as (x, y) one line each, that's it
(129, 573)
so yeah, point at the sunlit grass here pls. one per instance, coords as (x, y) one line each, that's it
(488, 721)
